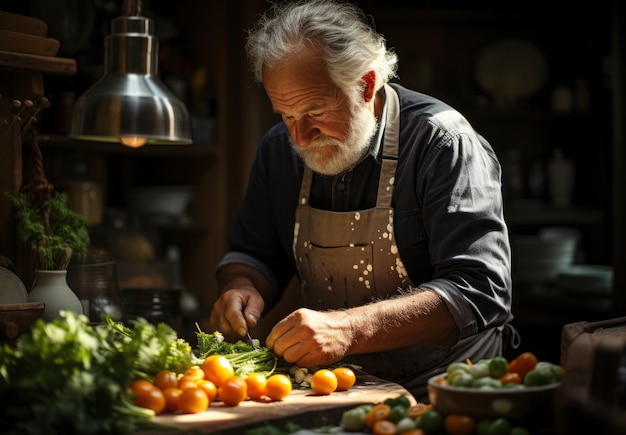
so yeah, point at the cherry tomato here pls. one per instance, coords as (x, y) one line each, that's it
(139, 385)
(150, 398)
(166, 379)
(418, 409)
(378, 412)
(195, 373)
(193, 400)
(257, 383)
(323, 382)
(186, 382)
(209, 388)
(345, 378)
(511, 378)
(172, 398)
(384, 427)
(233, 391)
(524, 363)
(217, 368)
(278, 386)
(459, 424)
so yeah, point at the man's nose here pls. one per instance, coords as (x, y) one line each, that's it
(305, 132)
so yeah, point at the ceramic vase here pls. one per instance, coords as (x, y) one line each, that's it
(51, 288)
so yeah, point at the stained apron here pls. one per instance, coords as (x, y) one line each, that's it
(347, 259)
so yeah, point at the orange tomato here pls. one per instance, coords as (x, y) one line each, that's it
(166, 379)
(511, 378)
(257, 383)
(418, 409)
(278, 386)
(150, 398)
(139, 385)
(459, 424)
(172, 398)
(193, 400)
(378, 412)
(233, 391)
(187, 382)
(195, 373)
(216, 369)
(209, 388)
(323, 382)
(524, 363)
(345, 378)
(384, 427)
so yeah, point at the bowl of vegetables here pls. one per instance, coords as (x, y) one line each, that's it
(521, 389)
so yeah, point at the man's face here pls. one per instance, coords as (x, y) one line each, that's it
(329, 130)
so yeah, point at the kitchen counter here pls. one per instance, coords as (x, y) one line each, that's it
(301, 407)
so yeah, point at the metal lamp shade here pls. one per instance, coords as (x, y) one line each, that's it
(129, 101)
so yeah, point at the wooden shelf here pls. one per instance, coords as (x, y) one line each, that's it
(573, 215)
(37, 64)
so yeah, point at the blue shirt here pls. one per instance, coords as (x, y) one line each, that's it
(448, 210)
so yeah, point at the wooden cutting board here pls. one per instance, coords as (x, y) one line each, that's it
(301, 406)
(23, 24)
(28, 44)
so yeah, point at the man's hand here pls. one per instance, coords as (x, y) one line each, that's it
(310, 338)
(237, 310)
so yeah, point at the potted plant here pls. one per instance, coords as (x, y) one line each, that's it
(54, 233)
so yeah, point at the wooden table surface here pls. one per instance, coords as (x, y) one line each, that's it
(301, 406)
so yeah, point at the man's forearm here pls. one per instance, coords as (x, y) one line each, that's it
(420, 318)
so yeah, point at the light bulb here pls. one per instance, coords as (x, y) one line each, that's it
(133, 141)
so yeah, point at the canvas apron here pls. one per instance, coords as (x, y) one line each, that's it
(346, 259)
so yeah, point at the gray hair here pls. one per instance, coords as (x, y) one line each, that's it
(351, 46)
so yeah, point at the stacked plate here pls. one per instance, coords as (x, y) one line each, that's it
(586, 279)
(538, 259)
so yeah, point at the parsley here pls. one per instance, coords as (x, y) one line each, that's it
(67, 377)
(244, 358)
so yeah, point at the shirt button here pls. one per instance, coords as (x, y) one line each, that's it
(341, 186)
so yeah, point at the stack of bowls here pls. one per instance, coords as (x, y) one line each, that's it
(538, 259)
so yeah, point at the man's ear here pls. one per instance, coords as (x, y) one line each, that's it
(369, 86)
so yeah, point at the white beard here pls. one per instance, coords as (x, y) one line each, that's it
(329, 156)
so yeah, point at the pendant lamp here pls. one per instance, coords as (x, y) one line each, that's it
(129, 104)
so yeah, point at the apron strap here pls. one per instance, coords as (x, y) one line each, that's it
(390, 149)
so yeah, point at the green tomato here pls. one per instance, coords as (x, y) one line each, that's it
(431, 421)
(479, 370)
(519, 430)
(482, 428)
(405, 425)
(486, 382)
(398, 412)
(542, 374)
(498, 366)
(460, 378)
(457, 366)
(499, 426)
(353, 420)
(401, 400)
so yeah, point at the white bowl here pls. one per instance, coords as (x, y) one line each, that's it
(586, 278)
(538, 259)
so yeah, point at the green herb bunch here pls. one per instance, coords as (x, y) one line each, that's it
(67, 377)
(68, 229)
(244, 357)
